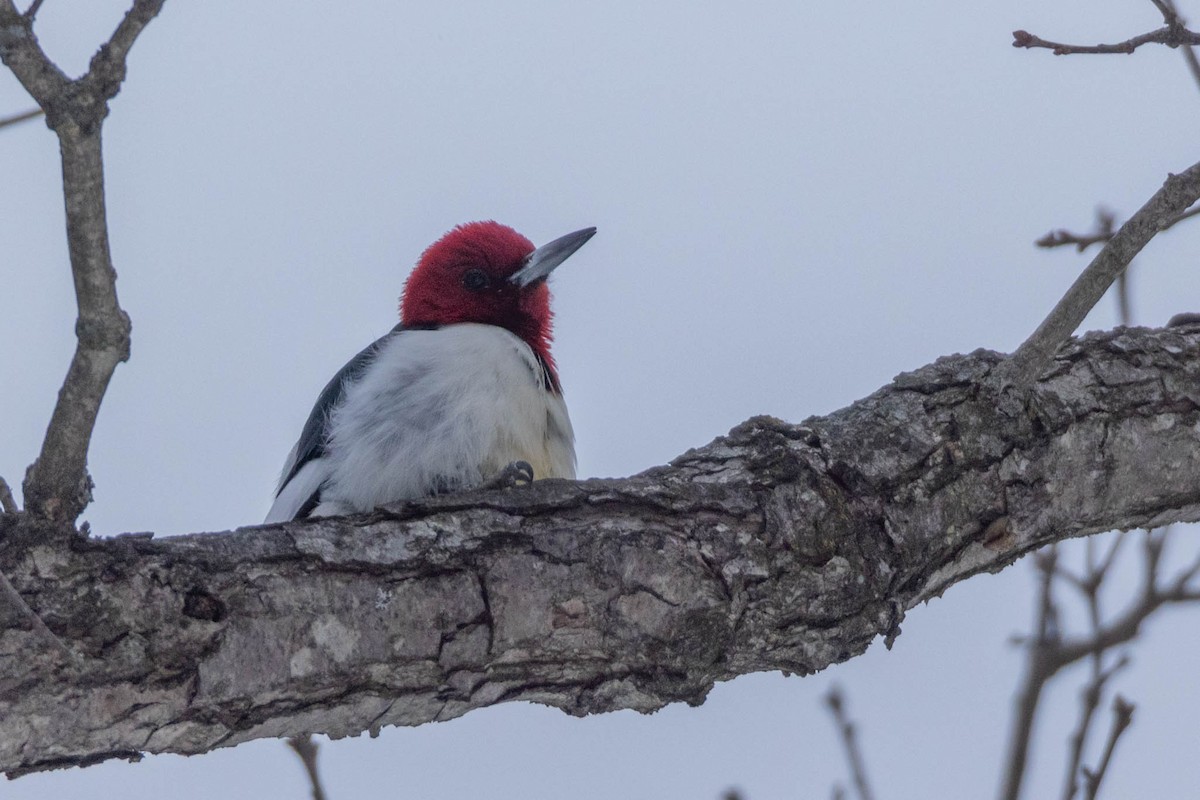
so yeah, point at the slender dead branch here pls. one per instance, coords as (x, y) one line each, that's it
(306, 749)
(1090, 585)
(1045, 637)
(1177, 194)
(22, 117)
(1102, 232)
(1170, 36)
(57, 486)
(1122, 719)
(836, 703)
(1089, 702)
(107, 69)
(1049, 651)
(34, 7)
(1172, 19)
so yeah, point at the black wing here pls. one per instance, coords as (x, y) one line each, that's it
(315, 435)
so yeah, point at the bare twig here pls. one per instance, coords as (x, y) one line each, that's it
(1089, 702)
(1090, 585)
(22, 117)
(1049, 651)
(57, 485)
(1170, 36)
(7, 504)
(1103, 231)
(1170, 15)
(837, 706)
(306, 748)
(1100, 234)
(1189, 55)
(1177, 194)
(1045, 636)
(1122, 719)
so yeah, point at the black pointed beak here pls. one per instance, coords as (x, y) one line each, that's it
(541, 262)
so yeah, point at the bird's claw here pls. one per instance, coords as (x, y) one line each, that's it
(518, 473)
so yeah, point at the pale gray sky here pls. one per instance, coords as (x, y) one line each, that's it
(796, 201)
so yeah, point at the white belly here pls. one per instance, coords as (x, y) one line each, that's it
(443, 410)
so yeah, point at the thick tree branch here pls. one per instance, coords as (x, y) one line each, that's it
(777, 547)
(57, 486)
(1177, 194)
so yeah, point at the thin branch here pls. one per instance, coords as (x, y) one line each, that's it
(1167, 11)
(1170, 36)
(1049, 652)
(306, 748)
(1089, 702)
(1177, 194)
(1189, 55)
(1091, 584)
(1122, 719)
(1185, 577)
(7, 504)
(57, 486)
(1124, 305)
(107, 69)
(22, 117)
(21, 53)
(1106, 563)
(1102, 232)
(858, 771)
(1045, 635)
(1170, 15)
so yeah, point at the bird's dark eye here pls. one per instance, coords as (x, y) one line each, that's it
(476, 280)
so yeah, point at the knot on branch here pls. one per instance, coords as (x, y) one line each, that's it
(109, 332)
(45, 499)
(79, 108)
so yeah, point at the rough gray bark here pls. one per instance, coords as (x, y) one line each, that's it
(776, 547)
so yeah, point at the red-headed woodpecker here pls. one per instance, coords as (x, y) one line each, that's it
(462, 389)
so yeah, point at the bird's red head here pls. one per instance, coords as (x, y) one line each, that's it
(487, 272)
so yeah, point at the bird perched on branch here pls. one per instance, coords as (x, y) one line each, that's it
(462, 393)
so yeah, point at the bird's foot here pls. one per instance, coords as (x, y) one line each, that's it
(518, 473)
